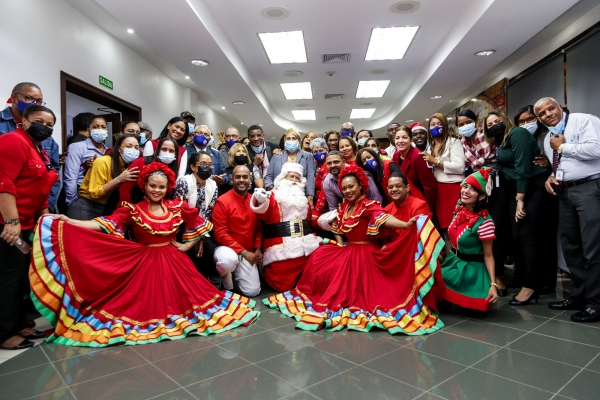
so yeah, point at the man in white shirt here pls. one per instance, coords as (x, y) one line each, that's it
(573, 147)
(391, 132)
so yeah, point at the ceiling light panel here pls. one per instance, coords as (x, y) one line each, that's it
(361, 113)
(284, 47)
(371, 89)
(304, 115)
(297, 91)
(390, 43)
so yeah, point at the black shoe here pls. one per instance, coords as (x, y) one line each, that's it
(25, 344)
(502, 292)
(534, 296)
(587, 315)
(566, 304)
(35, 335)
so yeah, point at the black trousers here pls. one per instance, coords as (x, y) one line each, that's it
(499, 211)
(205, 264)
(579, 225)
(14, 285)
(547, 241)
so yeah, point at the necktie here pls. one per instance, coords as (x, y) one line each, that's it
(554, 161)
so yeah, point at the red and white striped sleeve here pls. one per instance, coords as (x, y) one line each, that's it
(486, 231)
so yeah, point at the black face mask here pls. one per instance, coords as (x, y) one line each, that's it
(240, 160)
(497, 131)
(39, 132)
(204, 172)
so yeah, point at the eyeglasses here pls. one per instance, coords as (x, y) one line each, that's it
(232, 137)
(205, 165)
(29, 99)
(529, 120)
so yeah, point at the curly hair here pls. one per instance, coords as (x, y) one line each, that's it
(358, 173)
(157, 168)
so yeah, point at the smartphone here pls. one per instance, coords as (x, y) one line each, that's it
(23, 246)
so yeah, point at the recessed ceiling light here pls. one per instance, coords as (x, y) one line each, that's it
(485, 53)
(390, 43)
(410, 120)
(304, 115)
(261, 125)
(435, 97)
(200, 63)
(370, 89)
(223, 108)
(297, 91)
(361, 113)
(405, 7)
(426, 119)
(473, 99)
(284, 47)
(129, 30)
(187, 77)
(242, 123)
(292, 73)
(239, 103)
(449, 118)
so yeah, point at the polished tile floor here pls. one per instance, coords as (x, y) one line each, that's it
(512, 353)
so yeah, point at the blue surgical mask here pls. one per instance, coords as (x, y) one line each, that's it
(291, 147)
(166, 158)
(436, 131)
(371, 166)
(258, 149)
(130, 155)
(361, 142)
(346, 132)
(211, 142)
(191, 127)
(467, 130)
(200, 140)
(21, 105)
(99, 135)
(230, 143)
(531, 127)
(558, 128)
(143, 140)
(320, 156)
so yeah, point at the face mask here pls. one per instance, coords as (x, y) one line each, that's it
(558, 128)
(240, 160)
(21, 105)
(166, 158)
(130, 155)
(210, 143)
(99, 135)
(497, 130)
(346, 132)
(39, 132)
(191, 128)
(291, 147)
(320, 156)
(361, 142)
(200, 141)
(531, 127)
(371, 166)
(230, 143)
(258, 149)
(467, 130)
(143, 140)
(204, 172)
(436, 131)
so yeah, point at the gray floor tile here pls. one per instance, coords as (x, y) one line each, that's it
(301, 395)
(585, 386)
(482, 331)
(236, 334)
(35, 381)
(169, 348)
(138, 383)
(580, 333)
(476, 385)
(594, 365)
(451, 319)
(415, 368)
(454, 348)
(555, 349)
(62, 394)
(264, 345)
(179, 394)
(270, 319)
(540, 310)
(57, 352)
(356, 347)
(361, 383)
(248, 383)
(538, 372)
(199, 365)
(566, 316)
(514, 319)
(306, 366)
(428, 396)
(30, 358)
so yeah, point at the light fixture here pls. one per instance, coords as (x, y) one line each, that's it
(239, 103)
(187, 77)
(369, 89)
(473, 99)
(484, 53)
(390, 43)
(435, 97)
(304, 115)
(426, 119)
(410, 120)
(200, 63)
(297, 91)
(284, 47)
(450, 119)
(361, 113)
(129, 30)
(242, 123)
(223, 108)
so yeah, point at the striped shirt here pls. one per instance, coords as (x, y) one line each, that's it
(486, 231)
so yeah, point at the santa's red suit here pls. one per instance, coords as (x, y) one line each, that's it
(287, 240)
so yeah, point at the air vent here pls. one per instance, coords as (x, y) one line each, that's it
(293, 73)
(405, 7)
(332, 117)
(336, 58)
(334, 96)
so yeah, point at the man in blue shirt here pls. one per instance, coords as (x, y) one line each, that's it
(23, 95)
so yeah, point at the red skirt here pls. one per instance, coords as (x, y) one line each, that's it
(283, 275)
(448, 195)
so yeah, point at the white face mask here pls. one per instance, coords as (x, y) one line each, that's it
(166, 158)
(99, 135)
(531, 127)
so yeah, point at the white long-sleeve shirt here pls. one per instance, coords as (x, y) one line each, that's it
(454, 163)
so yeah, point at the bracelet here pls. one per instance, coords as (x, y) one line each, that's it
(243, 253)
(118, 180)
(520, 198)
(494, 284)
(15, 221)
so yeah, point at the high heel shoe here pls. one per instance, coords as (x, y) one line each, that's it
(534, 296)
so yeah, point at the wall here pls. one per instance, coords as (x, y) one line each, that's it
(60, 38)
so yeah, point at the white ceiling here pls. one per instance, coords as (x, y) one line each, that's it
(440, 60)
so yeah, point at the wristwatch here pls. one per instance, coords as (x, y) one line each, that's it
(12, 221)
(560, 148)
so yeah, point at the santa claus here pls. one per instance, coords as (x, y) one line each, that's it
(287, 236)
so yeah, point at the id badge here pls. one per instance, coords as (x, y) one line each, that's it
(559, 175)
(497, 180)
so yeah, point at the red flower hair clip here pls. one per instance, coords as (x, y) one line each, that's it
(358, 172)
(147, 170)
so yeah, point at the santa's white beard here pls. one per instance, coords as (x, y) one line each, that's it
(291, 194)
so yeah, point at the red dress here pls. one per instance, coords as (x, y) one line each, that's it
(99, 290)
(361, 286)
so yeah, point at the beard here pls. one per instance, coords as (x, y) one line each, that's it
(291, 194)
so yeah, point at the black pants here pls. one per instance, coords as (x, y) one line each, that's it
(547, 241)
(14, 285)
(579, 225)
(499, 211)
(205, 264)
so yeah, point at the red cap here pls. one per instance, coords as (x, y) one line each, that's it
(415, 126)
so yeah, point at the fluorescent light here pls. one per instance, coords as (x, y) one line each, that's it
(390, 43)
(200, 63)
(304, 115)
(284, 47)
(435, 97)
(410, 120)
(368, 89)
(239, 103)
(297, 91)
(473, 99)
(361, 113)
(484, 53)
(129, 30)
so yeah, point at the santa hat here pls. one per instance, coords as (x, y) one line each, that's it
(480, 180)
(291, 167)
(415, 126)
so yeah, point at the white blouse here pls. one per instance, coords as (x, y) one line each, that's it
(454, 163)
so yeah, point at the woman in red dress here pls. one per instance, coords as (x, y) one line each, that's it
(360, 285)
(99, 290)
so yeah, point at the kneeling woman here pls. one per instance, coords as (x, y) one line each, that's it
(134, 293)
(360, 285)
(468, 270)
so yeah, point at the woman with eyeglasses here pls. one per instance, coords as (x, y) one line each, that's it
(362, 136)
(525, 181)
(332, 138)
(26, 178)
(307, 140)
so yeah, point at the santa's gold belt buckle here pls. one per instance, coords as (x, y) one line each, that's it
(296, 228)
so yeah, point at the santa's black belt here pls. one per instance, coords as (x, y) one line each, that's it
(293, 228)
(467, 257)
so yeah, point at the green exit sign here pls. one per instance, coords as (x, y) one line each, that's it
(106, 82)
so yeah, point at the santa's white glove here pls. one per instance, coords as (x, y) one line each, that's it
(260, 195)
(326, 219)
